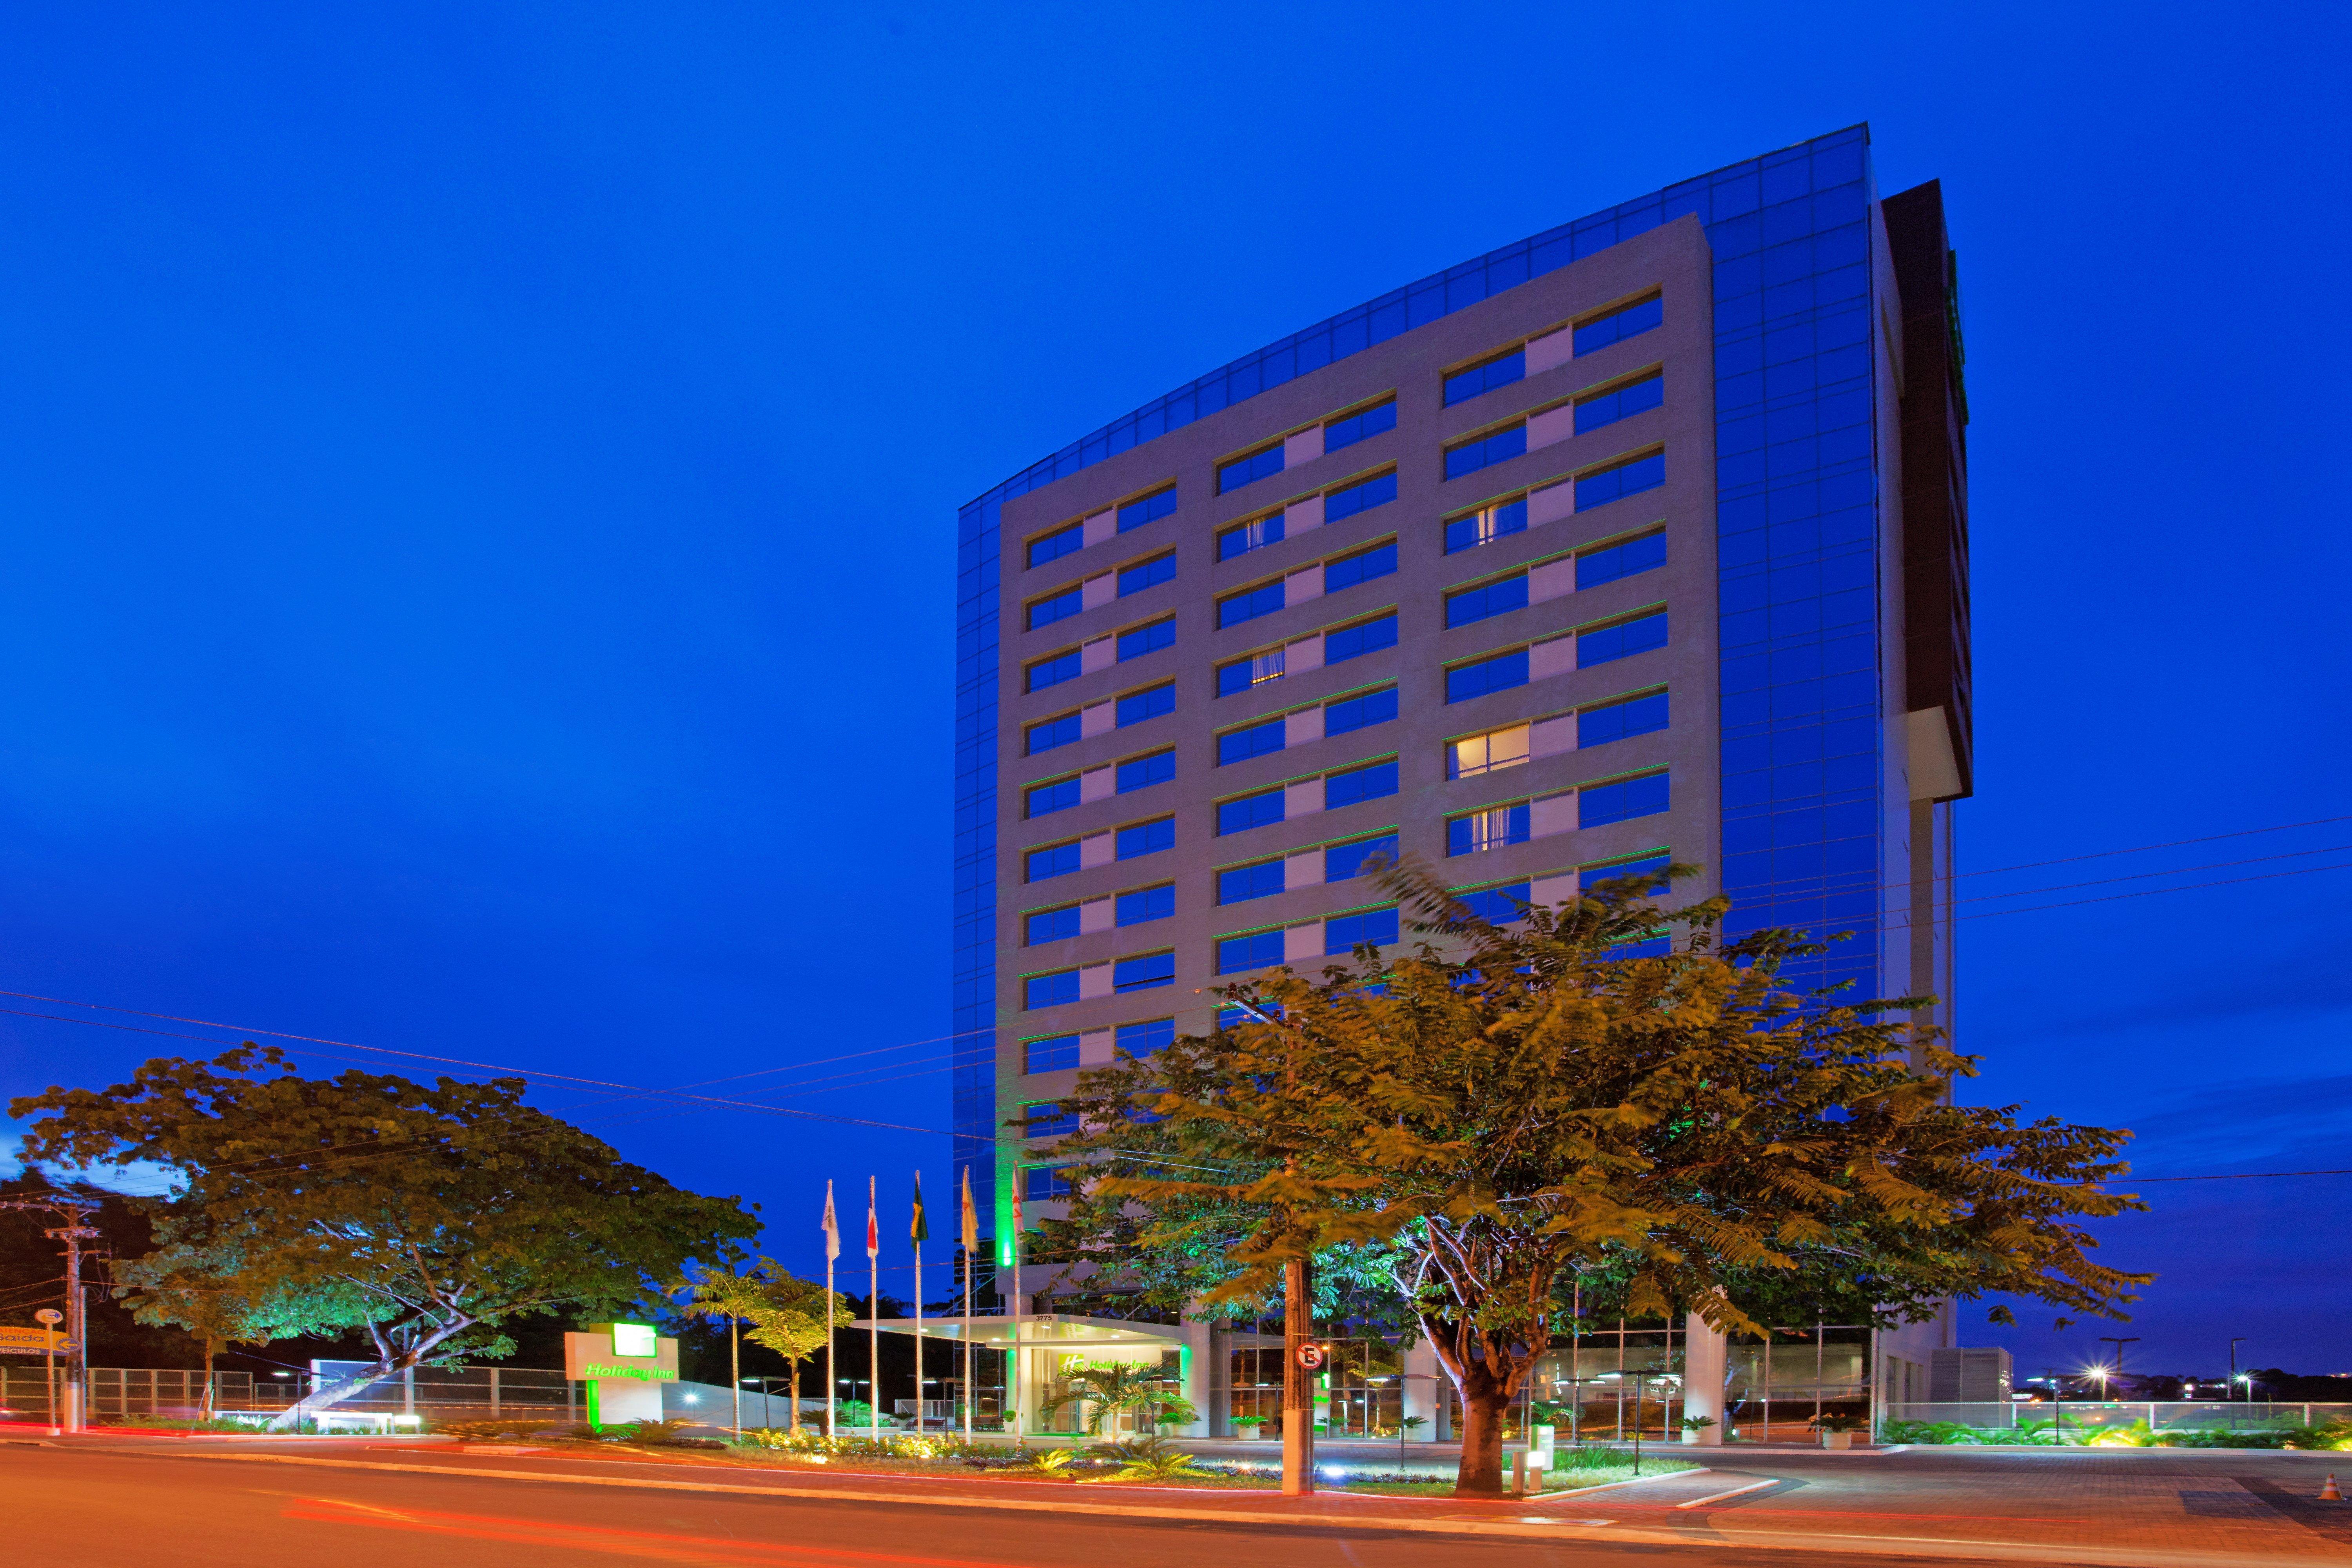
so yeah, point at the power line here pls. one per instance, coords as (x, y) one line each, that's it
(2237, 1176)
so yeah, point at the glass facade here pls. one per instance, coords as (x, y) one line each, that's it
(1799, 559)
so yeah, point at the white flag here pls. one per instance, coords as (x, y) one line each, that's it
(832, 1226)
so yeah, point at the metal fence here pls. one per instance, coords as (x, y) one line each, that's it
(2087, 1420)
(116, 1391)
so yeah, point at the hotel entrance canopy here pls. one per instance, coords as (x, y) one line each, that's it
(1048, 1331)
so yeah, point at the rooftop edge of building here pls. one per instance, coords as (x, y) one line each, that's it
(1415, 304)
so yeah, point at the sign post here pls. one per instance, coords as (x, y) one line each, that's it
(49, 1317)
(624, 1365)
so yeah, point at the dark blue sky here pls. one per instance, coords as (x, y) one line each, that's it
(479, 487)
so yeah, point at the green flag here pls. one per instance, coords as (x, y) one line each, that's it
(919, 1231)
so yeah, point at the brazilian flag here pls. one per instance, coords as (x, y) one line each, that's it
(919, 1231)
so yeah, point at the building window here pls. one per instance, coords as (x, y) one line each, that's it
(1244, 673)
(1150, 703)
(1250, 811)
(1053, 671)
(1242, 470)
(1479, 379)
(1048, 733)
(1622, 640)
(1486, 525)
(1148, 1038)
(1625, 322)
(1485, 451)
(1343, 934)
(1240, 884)
(1258, 950)
(1641, 715)
(1060, 543)
(1594, 875)
(1148, 573)
(1361, 567)
(1249, 604)
(1053, 860)
(1369, 782)
(1053, 925)
(1475, 754)
(1620, 480)
(1049, 1119)
(1345, 862)
(1359, 427)
(1378, 491)
(1498, 906)
(1486, 600)
(1629, 559)
(1241, 745)
(1058, 607)
(1363, 638)
(1480, 831)
(1146, 838)
(1150, 509)
(1040, 1183)
(1596, 806)
(1147, 904)
(1255, 534)
(1359, 713)
(1498, 673)
(1147, 639)
(1143, 772)
(1149, 973)
(1049, 990)
(1045, 799)
(1623, 403)
(1055, 1053)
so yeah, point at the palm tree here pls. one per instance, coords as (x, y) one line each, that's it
(734, 1297)
(1108, 1387)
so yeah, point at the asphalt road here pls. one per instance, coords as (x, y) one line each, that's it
(98, 1508)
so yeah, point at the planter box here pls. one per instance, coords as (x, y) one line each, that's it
(1837, 1439)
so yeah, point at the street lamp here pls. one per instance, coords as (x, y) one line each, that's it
(2234, 1343)
(2119, 1344)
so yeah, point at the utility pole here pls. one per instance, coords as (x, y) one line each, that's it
(1302, 1358)
(2233, 1365)
(73, 1233)
(2119, 1344)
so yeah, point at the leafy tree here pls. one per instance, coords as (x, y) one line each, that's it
(1528, 1106)
(426, 1216)
(790, 1322)
(200, 1295)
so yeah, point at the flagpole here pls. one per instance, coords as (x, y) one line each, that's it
(919, 1227)
(1017, 1305)
(971, 1239)
(832, 1251)
(874, 1323)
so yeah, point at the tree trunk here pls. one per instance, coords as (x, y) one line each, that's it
(735, 1370)
(387, 1362)
(792, 1389)
(1483, 1413)
(205, 1401)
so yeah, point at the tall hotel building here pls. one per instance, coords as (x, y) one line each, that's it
(1644, 536)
